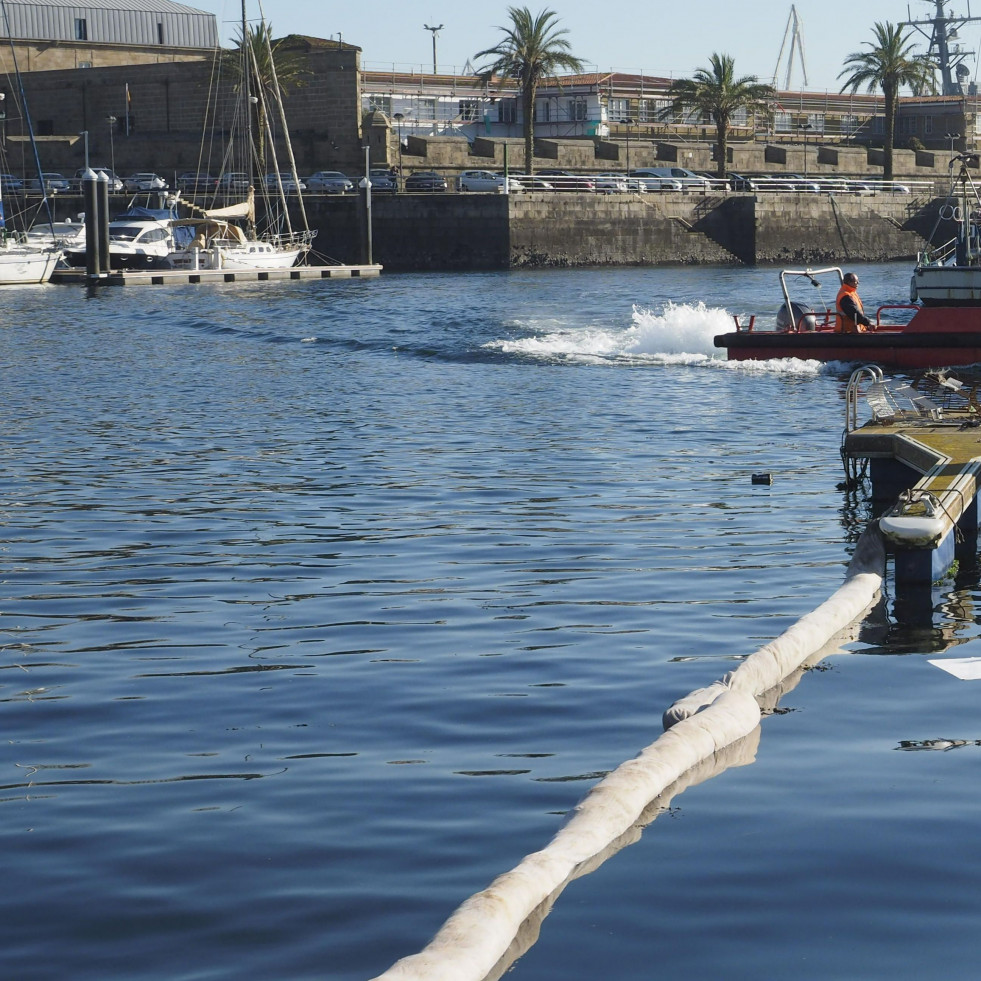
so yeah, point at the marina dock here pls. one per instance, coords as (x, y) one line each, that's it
(922, 451)
(170, 277)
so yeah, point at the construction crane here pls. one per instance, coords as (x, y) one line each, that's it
(794, 32)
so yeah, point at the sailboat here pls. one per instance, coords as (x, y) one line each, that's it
(23, 262)
(227, 237)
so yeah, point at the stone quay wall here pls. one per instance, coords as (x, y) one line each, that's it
(488, 231)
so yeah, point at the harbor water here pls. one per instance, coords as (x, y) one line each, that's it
(322, 603)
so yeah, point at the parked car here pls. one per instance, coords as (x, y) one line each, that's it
(381, 181)
(484, 180)
(10, 183)
(612, 182)
(115, 183)
(195, 183)
(145, 182)
(531, 183)
(689, 180)
(329, 182)
(425, 180)
(234, 181)
(53, 184)
(760, 183)
(564, 180)
(652, 182)
(289, 183)
(800, 183)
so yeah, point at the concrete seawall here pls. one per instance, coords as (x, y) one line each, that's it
(487, 231)
(418, 232)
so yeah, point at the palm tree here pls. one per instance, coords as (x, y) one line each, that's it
(716, 92)
(271, 68)
(532, 49)
(889, 65)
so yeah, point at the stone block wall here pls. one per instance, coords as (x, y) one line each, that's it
(541, 229)
(168, 109)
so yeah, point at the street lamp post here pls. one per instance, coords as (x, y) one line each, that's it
(111, 120)
(952, 137)
(628, 122)
(435, 31)
(398, 117)
(804, 127)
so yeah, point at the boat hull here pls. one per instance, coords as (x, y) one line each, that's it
(935, 337)
(27, 268)
(234, 259)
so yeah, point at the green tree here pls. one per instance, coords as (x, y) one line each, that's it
(889, 65)
(533, 49)
(269, 62)
(718, 94)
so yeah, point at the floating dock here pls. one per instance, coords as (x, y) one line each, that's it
(171, 277)
(922, 449)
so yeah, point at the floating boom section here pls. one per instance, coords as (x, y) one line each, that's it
(473, 941)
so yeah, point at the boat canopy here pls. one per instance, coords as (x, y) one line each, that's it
(206, 229)
(146, 214)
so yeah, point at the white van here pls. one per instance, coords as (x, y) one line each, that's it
(687, 178)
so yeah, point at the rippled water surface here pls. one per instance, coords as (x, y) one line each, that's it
(321, 603)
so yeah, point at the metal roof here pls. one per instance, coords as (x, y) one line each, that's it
(153, 6)
(137, 22)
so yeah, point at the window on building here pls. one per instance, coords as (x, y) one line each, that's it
(849, 125)
(927, 125)
(878, 125)
(618, 109)
(469, 110)
(543, 111)
(507, 111)
(81, 29)
(740, 117)
(646, 110)
(906, 125)
(814, 122)
(578, 109)
(160, 33)
(427, 109)
(380, 103)
(782, 122)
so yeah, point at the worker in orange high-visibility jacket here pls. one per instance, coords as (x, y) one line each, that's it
(850, 313)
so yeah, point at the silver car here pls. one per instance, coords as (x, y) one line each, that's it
(484, 180)
(145, 182)
(290, 185)
(329, 182)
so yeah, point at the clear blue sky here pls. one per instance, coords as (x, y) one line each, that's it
(667, 39)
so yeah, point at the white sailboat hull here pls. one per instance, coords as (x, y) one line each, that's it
(26, 266)
(254, 256)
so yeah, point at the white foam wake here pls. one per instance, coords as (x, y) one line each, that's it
(681, 334)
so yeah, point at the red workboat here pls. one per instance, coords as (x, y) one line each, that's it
(940, 326)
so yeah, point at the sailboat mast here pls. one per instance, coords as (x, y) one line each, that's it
(27, 116)
(247, 101)
(281, 110)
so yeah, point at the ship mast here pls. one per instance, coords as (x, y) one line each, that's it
(940, 31)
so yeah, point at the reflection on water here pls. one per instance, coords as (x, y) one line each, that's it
(429, 556)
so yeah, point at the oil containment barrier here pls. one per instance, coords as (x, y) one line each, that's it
(704, 733)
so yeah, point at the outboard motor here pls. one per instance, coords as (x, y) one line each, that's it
(800, 313)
